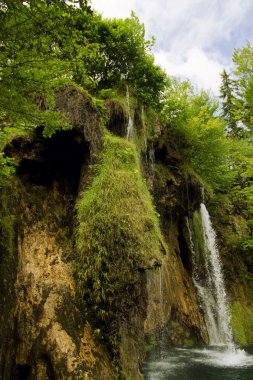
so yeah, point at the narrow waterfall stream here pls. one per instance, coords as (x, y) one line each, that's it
(130, 120)
(210, 285)
(145, 132)
(221, 360)
(162, 316)
(213, 293)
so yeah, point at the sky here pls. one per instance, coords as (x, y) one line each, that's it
(195, 39)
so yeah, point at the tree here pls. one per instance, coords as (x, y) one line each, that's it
(228, 103)
(237, 93)
(119, 52)
(30, 64)
(199, 132)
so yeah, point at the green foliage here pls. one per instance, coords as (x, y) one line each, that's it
(119, 52)
(7, 169)
(107, 93)
(243, 84)
(30, 62)
(45, 45)
(199, 133)
(235, 223)
(242, 164)
(229, 105)
(237, 94)
(233, 210)
(247, 246)
(118, 235)
(8, 249)
(8, 223)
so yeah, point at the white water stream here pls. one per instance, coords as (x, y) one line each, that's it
(145, 131)
(209, 281)
(130, 120)
(222, 360)
(215, 298)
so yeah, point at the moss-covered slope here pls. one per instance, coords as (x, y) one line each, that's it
(118, 238)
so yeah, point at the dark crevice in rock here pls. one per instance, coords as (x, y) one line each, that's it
(161, 154)
(22, 372)
(185, 253)
(118, 118)
(46, 362)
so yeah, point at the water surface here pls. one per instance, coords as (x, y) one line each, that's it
(210, 363)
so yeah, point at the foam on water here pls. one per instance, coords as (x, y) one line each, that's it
(180, 361)
(225, 358)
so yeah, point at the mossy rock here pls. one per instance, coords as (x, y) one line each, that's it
(118, 116)
(8, 257)
(118, 238)
(242, 323)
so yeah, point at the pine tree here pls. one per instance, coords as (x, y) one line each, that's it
(229, 103)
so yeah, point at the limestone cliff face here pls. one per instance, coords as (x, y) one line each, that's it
(53, 340)
(173, 301)
(45, 333)
(173, 304)
(48, 337)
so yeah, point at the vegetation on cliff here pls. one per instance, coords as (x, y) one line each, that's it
(48, 44)
(118, 236)
(49, 49)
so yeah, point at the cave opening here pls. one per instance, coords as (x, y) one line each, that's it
(58, 158)
(22, 372)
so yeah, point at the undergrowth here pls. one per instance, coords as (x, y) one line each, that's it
(118, 236)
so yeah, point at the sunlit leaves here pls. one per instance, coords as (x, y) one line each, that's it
(198, 131)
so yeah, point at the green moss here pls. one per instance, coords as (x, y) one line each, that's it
(198, 237)
(242, 323)
(118, 236)
(8, 221)
(100, 105)
(188, 342)
(150, 342)
(164, 174)
(8, 252)
(153, 123)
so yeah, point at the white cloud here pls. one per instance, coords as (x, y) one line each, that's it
(114, 8)
(196, 65)
(194, 38)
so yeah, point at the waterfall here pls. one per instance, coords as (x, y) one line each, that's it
(151, 156)
(162, 317)
(208, 279)
(130, 120)
(145, 131)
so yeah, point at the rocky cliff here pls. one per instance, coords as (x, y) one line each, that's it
(90, 267)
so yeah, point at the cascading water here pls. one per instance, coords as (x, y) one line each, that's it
(162, 317)
(156, 319)
(151, 157)
(130, 120)
(210, 285)
(225, 362)
(156, 295)
(145, 131)
(216, 282)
